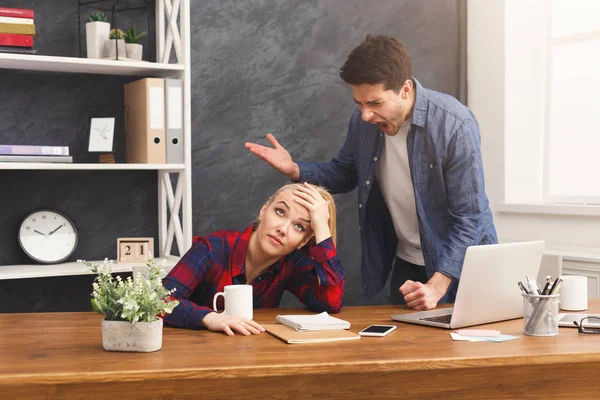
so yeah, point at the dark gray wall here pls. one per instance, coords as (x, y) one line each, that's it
(257, 67)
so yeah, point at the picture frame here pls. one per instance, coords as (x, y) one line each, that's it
(95, 121)
(134, 250)
(102, 134)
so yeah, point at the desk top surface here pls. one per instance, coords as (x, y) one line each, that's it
(67, 347)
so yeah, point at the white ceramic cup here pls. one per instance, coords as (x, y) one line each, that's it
(573, 293)
(238, 300)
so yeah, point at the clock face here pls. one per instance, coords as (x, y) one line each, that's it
(48, 236)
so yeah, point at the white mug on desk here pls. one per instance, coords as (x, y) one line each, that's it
(238, 300)
(573, 293)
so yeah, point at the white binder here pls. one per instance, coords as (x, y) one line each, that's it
(174, 120)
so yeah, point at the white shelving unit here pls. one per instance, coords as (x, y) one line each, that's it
(25, 271)
(86, 65)
(172, 33)
(96, 167)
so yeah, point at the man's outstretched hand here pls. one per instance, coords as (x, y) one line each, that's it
(277, 156)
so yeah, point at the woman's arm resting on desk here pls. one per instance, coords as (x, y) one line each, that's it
(319, 279)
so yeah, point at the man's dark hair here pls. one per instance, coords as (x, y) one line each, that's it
(378, 59)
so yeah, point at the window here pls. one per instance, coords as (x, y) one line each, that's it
(552, 101)
(572, 127)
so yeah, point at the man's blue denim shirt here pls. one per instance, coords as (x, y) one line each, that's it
(444, 151)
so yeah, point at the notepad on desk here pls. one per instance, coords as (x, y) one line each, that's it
(293, 336)
(313, 322)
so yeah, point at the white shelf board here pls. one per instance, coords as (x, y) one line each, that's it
(75, 166)
(26, 271)
(86, 65)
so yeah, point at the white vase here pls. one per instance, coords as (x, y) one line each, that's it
(95, 35)
(111, 48)
(143, 337)
(134, 51)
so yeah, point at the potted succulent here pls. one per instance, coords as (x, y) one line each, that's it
(96, 30)
(116, 35)
(131, 307)
(134, 49)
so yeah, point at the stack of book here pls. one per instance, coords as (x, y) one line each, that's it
(16, 31)
(35, 154)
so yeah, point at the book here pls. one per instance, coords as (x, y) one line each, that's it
(21, 29)
(37, 159)
(16, 12)
(292, 336)
(13, 20)
(313, 322)
(18, 50)
(9, 149)
(13, 39)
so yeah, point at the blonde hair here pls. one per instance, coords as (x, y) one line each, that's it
(325, 194)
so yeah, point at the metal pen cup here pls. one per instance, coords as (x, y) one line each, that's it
(540, 314)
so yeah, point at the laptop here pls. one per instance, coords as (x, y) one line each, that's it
(487, 291)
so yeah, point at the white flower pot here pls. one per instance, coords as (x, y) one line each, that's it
(95, 35)
(134, 51)
(143, 337)
(111, 48)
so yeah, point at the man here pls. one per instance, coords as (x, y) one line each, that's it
(415, 155)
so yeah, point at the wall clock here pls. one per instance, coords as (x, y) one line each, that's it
(48, 236)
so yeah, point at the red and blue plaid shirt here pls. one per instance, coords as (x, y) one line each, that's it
(315, 276)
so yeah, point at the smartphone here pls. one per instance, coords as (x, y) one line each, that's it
(377, 330)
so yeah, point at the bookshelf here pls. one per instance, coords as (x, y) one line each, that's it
(95, 167)
(174, 214)
(75, 65)
(25, 271)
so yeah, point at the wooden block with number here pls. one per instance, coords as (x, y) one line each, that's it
(134, 249)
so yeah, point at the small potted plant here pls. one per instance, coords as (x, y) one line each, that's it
(116, 35)
(96, 30)
(131, 307)
(134, 49)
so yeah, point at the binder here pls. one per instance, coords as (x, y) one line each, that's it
(174, 120)
(145, 105)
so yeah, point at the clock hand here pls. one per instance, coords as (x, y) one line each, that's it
(60, 226)
(36, 231)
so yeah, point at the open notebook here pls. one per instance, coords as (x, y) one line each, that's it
(292, 336)
(313, 322)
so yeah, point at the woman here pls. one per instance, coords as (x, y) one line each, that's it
(290, 246)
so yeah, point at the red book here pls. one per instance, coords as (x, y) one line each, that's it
(15, 12)
(13, 39)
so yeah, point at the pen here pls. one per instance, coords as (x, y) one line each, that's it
(534, 287)
(525, 291)
(547, 286)
(551, 291)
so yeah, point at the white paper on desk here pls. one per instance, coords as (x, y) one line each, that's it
(456, 336)
(314, 322)
(496, 339)
(478, 332)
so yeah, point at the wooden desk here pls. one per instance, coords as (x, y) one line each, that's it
(60, 355)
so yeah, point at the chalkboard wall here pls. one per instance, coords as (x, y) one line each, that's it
(257, 67)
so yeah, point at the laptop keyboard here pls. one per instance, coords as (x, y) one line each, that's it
(442, 319)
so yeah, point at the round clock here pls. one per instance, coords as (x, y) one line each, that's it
(48, 236)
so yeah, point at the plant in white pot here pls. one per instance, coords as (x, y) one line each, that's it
(116, 35)
(96, 31)
(134, 49)
(131, 307)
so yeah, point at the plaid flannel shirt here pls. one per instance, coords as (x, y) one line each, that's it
(218, 259)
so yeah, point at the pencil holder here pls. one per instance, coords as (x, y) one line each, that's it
(540, 315)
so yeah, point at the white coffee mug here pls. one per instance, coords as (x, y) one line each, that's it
(238, 300)
(573, 293)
